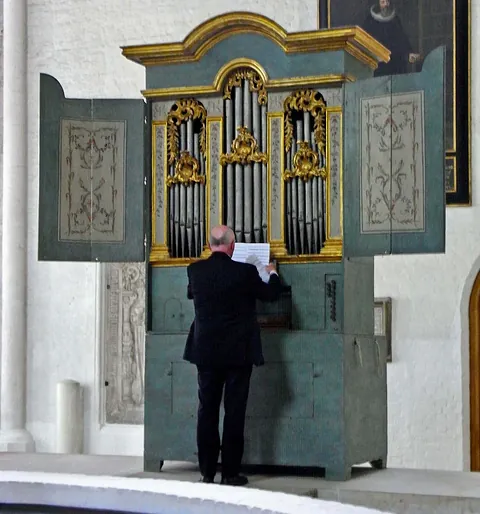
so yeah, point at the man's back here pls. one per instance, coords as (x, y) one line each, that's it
(224, 292)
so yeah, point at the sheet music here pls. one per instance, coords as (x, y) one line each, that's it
(244, 250)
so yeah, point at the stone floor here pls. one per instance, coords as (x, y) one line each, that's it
(390, 490)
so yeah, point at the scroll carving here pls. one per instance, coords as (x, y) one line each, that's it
(306, 101)
(244, 150)
(255, 81)
(186, 171)
(305, 164)
(184, 110)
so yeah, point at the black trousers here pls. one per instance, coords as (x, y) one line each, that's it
(211, 382)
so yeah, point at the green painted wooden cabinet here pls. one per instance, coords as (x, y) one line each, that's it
(289, 140)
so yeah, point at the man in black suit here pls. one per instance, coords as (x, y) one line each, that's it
(224, 343)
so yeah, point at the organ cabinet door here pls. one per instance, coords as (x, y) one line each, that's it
(92, 180)
(394, 199)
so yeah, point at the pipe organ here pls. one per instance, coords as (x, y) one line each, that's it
(289, 140)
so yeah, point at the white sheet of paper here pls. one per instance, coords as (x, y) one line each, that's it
(244, 250)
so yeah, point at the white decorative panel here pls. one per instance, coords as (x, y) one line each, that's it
(333, 96)
(334, 179)
(392, 166)
(214, 175)
(92, 179)
(124, 343)
(159, 153)
(275, 152)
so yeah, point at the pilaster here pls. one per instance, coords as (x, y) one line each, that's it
(13, 435)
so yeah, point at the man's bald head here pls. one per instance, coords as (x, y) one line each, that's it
(222, 239)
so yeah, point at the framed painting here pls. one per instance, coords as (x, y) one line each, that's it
(411, 29)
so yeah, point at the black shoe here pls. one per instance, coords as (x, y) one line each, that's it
(207, 480)
(237, 480)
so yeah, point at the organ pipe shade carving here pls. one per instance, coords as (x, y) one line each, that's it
(305, 157)
(244, 150)
(185, 180)
(245, 158)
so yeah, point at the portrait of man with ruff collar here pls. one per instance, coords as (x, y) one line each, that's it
(411, 30)
(385, 25)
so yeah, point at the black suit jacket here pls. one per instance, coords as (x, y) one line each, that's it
(225, 331)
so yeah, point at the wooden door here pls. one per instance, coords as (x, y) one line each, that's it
(474, 321)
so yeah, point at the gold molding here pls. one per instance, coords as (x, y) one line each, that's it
(474, 352)
(206, 35)
(217, 86)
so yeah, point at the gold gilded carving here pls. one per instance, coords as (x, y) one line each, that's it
(306, 100)
(305, 164)
(205, 36)
(186, 171)
(183, 110)
(244, 150)
(257, 85)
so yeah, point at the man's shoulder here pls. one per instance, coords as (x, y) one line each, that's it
(197, 265)
(244, 267)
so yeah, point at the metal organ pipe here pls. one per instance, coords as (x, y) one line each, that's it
(229, 136)
(263, 148)
(189, 193)
(248, 179)
(197, 249)
(245, 177)
(202, 206)
(239, 169)
(301, 196)
(308, 192)
(183, 196)
(295, 205)
(257, 175)
(317, 218)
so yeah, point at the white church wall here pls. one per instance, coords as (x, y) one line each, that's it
(78, 42)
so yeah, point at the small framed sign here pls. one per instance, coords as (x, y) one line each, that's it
(383, 323)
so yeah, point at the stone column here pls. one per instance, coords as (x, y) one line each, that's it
(13, 435)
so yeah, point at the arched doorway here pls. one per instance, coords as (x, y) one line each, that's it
(474, 325)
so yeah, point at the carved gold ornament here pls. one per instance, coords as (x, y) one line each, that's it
(183, 110)
(306, 101)
(254, 79)
(186, 171)
(305, 164)
(244, 150)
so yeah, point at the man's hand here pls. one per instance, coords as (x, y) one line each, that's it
(413, 58)
(271, 267)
